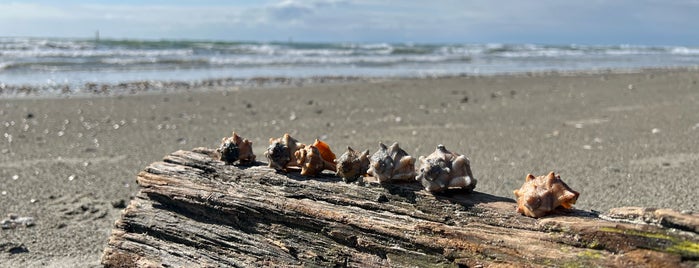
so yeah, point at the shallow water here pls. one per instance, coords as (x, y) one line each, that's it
(50, 64)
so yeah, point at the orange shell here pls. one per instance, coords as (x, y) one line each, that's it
(324, 150)
(541, 195)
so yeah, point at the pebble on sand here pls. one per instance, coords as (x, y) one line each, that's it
(13, 221)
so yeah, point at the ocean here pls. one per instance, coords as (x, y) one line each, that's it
(78, 65)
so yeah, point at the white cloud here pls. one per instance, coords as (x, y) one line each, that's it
(289, 10)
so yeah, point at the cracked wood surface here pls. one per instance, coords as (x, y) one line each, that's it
(195, 211)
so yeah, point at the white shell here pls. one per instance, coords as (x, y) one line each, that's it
(391, 164)
(443, 169)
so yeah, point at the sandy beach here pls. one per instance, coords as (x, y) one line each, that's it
(620, 139)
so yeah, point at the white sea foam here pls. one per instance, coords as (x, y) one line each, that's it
(76, 61)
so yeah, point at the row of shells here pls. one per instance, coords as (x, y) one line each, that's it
(437, 172)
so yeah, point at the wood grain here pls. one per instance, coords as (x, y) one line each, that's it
(195, 211)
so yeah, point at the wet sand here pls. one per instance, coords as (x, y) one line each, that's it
(619, 139)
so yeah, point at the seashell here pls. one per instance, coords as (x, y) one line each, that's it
(352, 164)
(235, 148)
(324, 150)
(280, 152)
(539, 196)
(311, 161)
(443, 169)
(391, 164)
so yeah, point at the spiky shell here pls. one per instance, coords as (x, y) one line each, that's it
(311, 161)
(541, 195)
(280, 152)
(234, 149)
(391, 164)
(443, 169)
(352, 164)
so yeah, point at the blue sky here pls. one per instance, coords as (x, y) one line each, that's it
(642, 22)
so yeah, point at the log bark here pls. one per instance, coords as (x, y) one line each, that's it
(195, 211)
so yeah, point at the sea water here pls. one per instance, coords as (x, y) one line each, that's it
(73, 63)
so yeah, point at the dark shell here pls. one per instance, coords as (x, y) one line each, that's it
(234, 149)
(278, 155)
(229, 151)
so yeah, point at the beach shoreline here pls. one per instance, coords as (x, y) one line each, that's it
(620, 138)
(149, 87)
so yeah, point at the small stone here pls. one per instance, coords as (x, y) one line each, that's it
(13, 248)
(26, 221)
(14, 221)
(655, 130)
(587, 147)
(15, 177)
(71, 177)
(121, 203)
(382, 198)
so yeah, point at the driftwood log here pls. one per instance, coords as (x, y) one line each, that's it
(195, 211)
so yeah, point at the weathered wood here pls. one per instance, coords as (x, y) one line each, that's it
(195, 211)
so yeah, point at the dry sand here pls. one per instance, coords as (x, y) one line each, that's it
(619, 139)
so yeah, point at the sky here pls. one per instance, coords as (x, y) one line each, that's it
(590, 22)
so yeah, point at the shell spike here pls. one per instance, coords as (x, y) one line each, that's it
(529, 177)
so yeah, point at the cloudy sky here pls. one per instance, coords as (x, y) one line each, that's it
(642, 22)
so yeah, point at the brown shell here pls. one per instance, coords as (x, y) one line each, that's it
(390, 164)
(541, 195)
(444, 169)
(311, 161)
(280, 152)
(324, 150)
(234, 149)
(352, 164)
